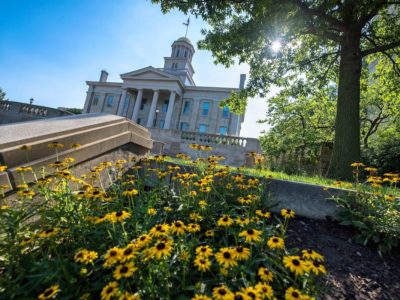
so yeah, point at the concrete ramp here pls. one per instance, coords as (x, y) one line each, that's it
(95, 133)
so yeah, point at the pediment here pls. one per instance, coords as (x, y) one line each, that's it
(148, 73)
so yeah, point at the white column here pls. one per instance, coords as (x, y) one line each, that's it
(150, 119)
(171, 104)
(121, 103)
(136, 108)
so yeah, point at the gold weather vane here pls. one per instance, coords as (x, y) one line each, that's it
(187, 25)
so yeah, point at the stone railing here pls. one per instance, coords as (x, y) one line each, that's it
(11, 112)
(207, 138)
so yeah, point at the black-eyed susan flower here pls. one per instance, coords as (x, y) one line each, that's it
(49, 232)
(118, 216)
(264, 290)
(75, 146)
(225, 221)
(128, 253)
(151, 211)
(195, 217)
(263, 213)
(287, 213)
(241, 253)
(160, 230)
(242, 221)
(124, 271)
(178, 228)
(162, 249)
(26, 193)
(85, 256)
(49, 293)
(23, 169)
(295, 264)
(109, 291)
(316, 267)
(265, 274)
(204, 251)
(209, 233)
(252, 292)
(112, 256)
(201, 297)
(225, 258)
(293, 294)
(311, 254)
(202, 263)
(193, 227)
(275, 242)
(143, 240)
(203, 204)
(357, 164)
(251, 235)
(130, 192)
(3, 168)
(58, 164)
(390, 197)
(55, 145)
(221, 292)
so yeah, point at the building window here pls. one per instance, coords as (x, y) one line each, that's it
(225, 112)
(126, 104)
(161, 124)
(165, 106)
(186, 53)
(96, 100)
(223, 130)
(143, 104)
(177, 52)
(139, 121)
(184, 126)
(203, 128)
(186, 107)
(205, 108)
(110, 100)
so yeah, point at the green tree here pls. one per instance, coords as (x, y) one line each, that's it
(315, 36)
(2, 95)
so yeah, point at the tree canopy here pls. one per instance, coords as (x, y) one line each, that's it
(317, 37)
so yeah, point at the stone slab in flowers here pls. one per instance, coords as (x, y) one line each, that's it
(307, 200)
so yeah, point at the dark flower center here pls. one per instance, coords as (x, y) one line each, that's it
(252, 295)
(316, 264)
(128, 251)
(221, 292)
(161, 246)
(113, 253)
(250, 231)
(295, 294)
(142, 238)
(118, 214)
(79, 255)
(49, 230)
(159, 227)
(238, 297)
(225, 219)
(275, 240)
(96, 192)
(124, 269)
(296, 262)
(309, 251)
(227, 255)
(239, 249)
(109, 290)
(178, 224)
(204, 249)
(48, 292)
(202, 261)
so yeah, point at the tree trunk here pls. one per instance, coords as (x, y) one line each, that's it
(346, 149)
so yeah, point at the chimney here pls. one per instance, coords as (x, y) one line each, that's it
(242, 81)
(103, 76)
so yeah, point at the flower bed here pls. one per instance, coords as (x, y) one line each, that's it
(69, 238)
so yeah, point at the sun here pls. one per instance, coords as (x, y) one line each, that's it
(276, 46)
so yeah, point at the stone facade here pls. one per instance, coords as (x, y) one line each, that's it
(166, 98)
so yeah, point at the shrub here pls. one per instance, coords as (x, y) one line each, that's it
(374, 215)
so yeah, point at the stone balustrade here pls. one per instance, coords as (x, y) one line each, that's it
(235, 149)
(12, 112)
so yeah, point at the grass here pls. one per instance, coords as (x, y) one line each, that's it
(317, 180)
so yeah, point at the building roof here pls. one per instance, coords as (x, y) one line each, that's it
(184, 39)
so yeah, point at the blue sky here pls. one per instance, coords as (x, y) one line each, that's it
(49, 48)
